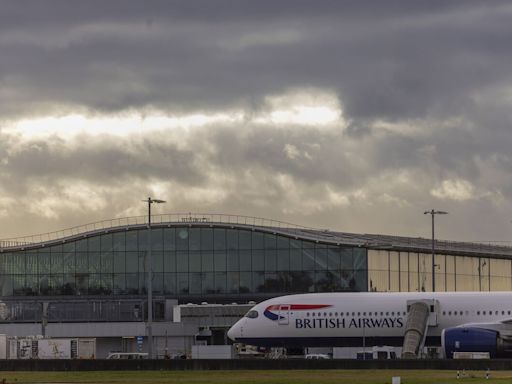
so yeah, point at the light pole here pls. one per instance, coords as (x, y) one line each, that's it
(149, 286)
(433, 213)
(364, 340)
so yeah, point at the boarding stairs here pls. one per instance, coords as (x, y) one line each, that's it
(422, 314)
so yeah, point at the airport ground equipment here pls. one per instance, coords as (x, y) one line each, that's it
(415, 329)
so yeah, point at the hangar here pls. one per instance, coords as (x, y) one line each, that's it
(90, 281)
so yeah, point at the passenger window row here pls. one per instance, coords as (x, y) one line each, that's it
(359, 314)
(353, 314)
(478, 313)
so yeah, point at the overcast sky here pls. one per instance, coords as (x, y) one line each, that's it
(349, 115)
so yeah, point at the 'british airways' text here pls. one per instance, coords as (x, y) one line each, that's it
(386, 322)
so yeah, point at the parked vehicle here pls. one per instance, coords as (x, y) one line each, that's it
(317, 356)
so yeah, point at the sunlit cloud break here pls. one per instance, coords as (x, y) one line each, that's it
(69, 126)
(298, 108)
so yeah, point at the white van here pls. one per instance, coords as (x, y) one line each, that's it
(317, 356)
(377, 353)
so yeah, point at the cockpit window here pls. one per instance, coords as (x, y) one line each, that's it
(252, 314)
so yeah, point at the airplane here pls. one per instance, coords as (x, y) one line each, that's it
(459, 321)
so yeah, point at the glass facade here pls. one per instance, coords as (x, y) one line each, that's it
(187, 261)
(391, 271)
(199, 260)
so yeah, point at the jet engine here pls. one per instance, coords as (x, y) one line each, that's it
(474, 339)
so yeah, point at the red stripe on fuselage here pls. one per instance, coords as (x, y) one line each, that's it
(297, 307)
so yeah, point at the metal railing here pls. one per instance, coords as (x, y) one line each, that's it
(491, 247)
(171, 218)
(191, 218)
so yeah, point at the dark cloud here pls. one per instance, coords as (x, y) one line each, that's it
(424, 86)
(387, 59)
(103, 160)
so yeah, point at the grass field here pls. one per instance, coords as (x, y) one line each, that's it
(256, 377)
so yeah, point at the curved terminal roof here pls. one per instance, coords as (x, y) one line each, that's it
(370, 241)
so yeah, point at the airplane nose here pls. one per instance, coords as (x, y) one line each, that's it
(234, 331)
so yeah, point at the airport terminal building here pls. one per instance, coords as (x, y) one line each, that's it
(207, 270)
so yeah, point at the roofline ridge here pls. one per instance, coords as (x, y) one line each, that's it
(187, 217)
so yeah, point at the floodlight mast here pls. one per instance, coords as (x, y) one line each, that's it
(149, 285)
(433, 213)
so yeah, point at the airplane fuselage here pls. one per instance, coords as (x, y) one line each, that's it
(348, 319)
